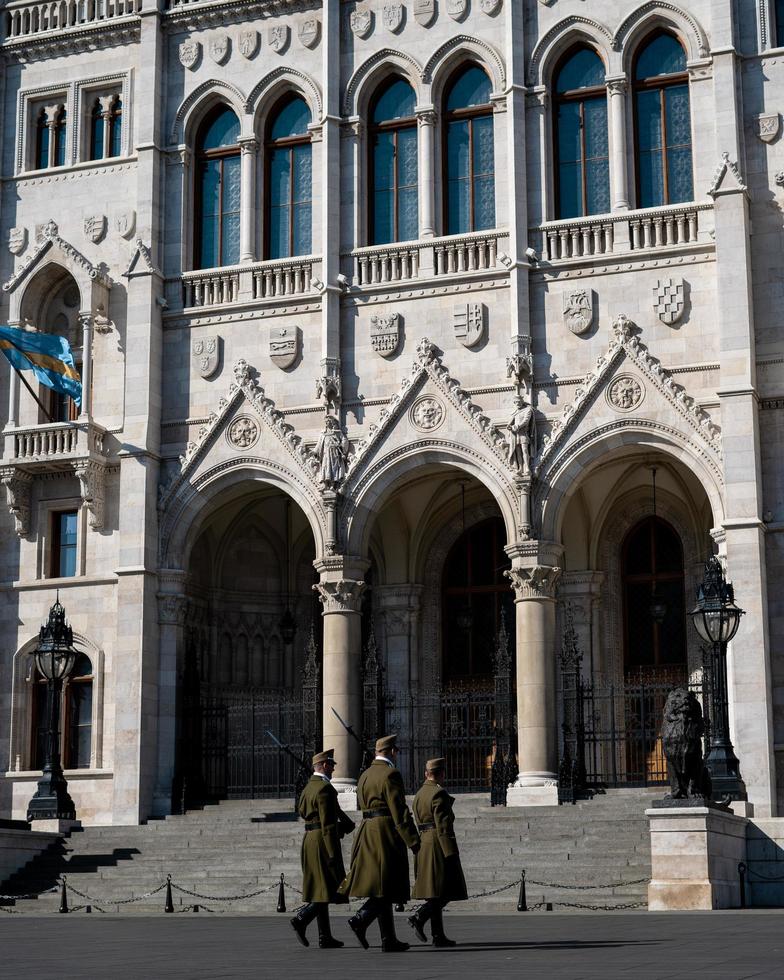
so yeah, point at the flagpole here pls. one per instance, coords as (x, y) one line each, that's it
(41, 405)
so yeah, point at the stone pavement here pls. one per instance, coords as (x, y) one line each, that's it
(722, 945)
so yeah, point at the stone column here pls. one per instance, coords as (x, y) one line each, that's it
(399, 608)
(52, 115)
(426, 119)
(582, 590)
(107, 102)
(537, 741)
(172, 606)
(86, 322)
(341, 671)
(619, 189)
(249, 148)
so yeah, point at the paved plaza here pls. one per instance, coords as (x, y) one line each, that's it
(719, 945)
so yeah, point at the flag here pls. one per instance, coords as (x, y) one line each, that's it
(48, 356)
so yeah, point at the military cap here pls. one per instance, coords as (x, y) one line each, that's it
(328, 755)
(386, 744)
(435, 765)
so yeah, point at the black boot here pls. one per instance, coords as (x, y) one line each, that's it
(437, 928)
(326, 939)
(386, 921)
(360, 922)
(419, 918)
(302, 920)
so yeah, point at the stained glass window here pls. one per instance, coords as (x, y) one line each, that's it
(394, 165)
(218, 191)
(289, 181)
(469, 153)
(582, 151)
(663, 124)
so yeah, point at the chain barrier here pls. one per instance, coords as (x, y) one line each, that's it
(586, 888)
(495, 891)
(18, 898)
(112, 901)
(761, 877)
(227, 898)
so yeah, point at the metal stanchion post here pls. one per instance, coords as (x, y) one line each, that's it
(282, 894)
(169, 906)
(63, 897)
(742, 877)
(522, 904)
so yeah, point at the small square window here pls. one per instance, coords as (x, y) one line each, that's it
(62, 561)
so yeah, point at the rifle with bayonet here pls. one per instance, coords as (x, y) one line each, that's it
(303, 771)
(367, 755)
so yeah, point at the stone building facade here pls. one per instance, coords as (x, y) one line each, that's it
(311, 335)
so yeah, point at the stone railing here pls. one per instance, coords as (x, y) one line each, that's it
(55, 440)
(450, 255)
(650, 229)
(260, 281)
(28, 20)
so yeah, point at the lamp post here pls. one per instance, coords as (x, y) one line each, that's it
(716, 618)
(54, 657)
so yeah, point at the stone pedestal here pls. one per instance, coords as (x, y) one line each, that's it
(62, 827)
(542, 794)
(694, 858)
(347, 797)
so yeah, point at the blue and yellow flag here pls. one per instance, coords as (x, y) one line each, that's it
(49, 358)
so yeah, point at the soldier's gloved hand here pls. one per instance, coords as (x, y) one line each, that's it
(416, 847)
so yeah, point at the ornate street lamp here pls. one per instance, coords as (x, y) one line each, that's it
(716, 618)
(54, 657)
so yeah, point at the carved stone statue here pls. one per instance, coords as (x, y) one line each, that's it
(522, 436)
(332, 453)
(682, 733)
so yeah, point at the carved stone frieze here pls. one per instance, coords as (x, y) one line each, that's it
(248, 43)
(243, 432)
(284, 345)
(669, 300)
(220, 48)
(95, 227)
(92, 483)
(17, 240)
(18, 485)
(205, 355)
(278, 37)
(361, 21)
(537, 582)
(340, 596)
(189, 52)
(385, 333)
(427, 413)
(309, 31)
(424, 12)
(578, 309)
(469, 323)
(172, 609)
(625, 393)
(392, 15)
(457, 9)
(768, 126)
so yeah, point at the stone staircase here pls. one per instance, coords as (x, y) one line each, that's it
(238, 847)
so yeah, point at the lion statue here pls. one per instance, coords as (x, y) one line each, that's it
(682, 733)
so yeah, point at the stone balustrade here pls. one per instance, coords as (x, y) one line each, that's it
(28, 20)
(55, 441)
(211, 287)
(260, 281)
(286, 277)
(650, 229)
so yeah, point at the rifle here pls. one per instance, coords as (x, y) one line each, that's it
(367, 758)
(303, 772)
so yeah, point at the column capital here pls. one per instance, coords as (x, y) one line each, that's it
(340, 595)
(172, 609)
(248, 144)
(426, 115)
(534, 582)
(617, 84)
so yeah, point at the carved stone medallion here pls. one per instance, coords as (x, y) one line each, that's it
(469, 321)
(457, 9)
(189, 53)
(361, 21)
(205, 356)
(284, 346)
(308, 31)
(385, 333)
(278, 38)
(768, 126)
(490, 7)
(95, 227)
(427, 413)
(578, 310)
(669, 300)
(125, 223)
(248, 43)
(219, 48)
(17, 240)
(424, 12)
(243, 432)
(625, 393)
(392, 15)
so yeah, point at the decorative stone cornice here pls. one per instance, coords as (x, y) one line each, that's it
(18, 484)
(626, 344)
(219, 13)
(341, 595)
(106, 33)
(537, 582)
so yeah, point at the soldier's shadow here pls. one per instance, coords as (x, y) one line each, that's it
(477, 947)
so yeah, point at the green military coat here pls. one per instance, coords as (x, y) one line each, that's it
(322, 860)
(437, 865)
(379, 863)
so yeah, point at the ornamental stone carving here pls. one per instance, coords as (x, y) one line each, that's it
(427, 413)
(341, 596)
(522, 437)
(424, 12)
(205, 355)
(284, 346)
(308, 32)
(125, 223)
(92, 482)
(578, 310)
(625, 393)
(361, 21)
(172, 609)
(278, 37)
(219, 48)
(243, 432)
(768, 126)
(95, 227)
(469, 323)
(385, 333)
(537, 582)
(248, 43)
(18, 485)
(328, 390)
(392, 16)
(189, 52)
(490, 7)
(17, 240)
(669, 300)
(332, 451)
(457, 9)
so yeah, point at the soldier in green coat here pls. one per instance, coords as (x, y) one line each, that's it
(322, 860)
(379, 863)
(439, 875)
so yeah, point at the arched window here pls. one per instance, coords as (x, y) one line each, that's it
(289, 181)
(59, 139)
(105, 129)
(218, 191)
(663, 123)
(393, 165)
(41, 141)
(76, 716)
(582, 153)
(96, 131)
(469, 153)
(115, 128)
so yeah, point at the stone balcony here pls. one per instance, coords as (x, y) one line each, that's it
(76, 447)
(657, 231)
(59, 24)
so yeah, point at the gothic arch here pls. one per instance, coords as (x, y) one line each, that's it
(441, 64)
(274, 84)
(195, 106)
(372, 71)
(563, 35)
(658, 14)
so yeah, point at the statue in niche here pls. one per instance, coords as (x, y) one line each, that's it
(332, 453)
(522, 436)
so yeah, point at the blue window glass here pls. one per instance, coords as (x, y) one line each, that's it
(663, 124)
(64, 544)
(59, 138)
(42, 141)
(583, 185)
(79, 715)
(96, 132)
(289, 182)
(394, 165)
(115, 137)
(470, 154)
(218, 224)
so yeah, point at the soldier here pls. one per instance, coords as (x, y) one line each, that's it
(322, 860)
(379, 864)
(439, 875)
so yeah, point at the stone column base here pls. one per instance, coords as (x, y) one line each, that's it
(694, 858)
(63, 827)
(527, 792)
(347, 795)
